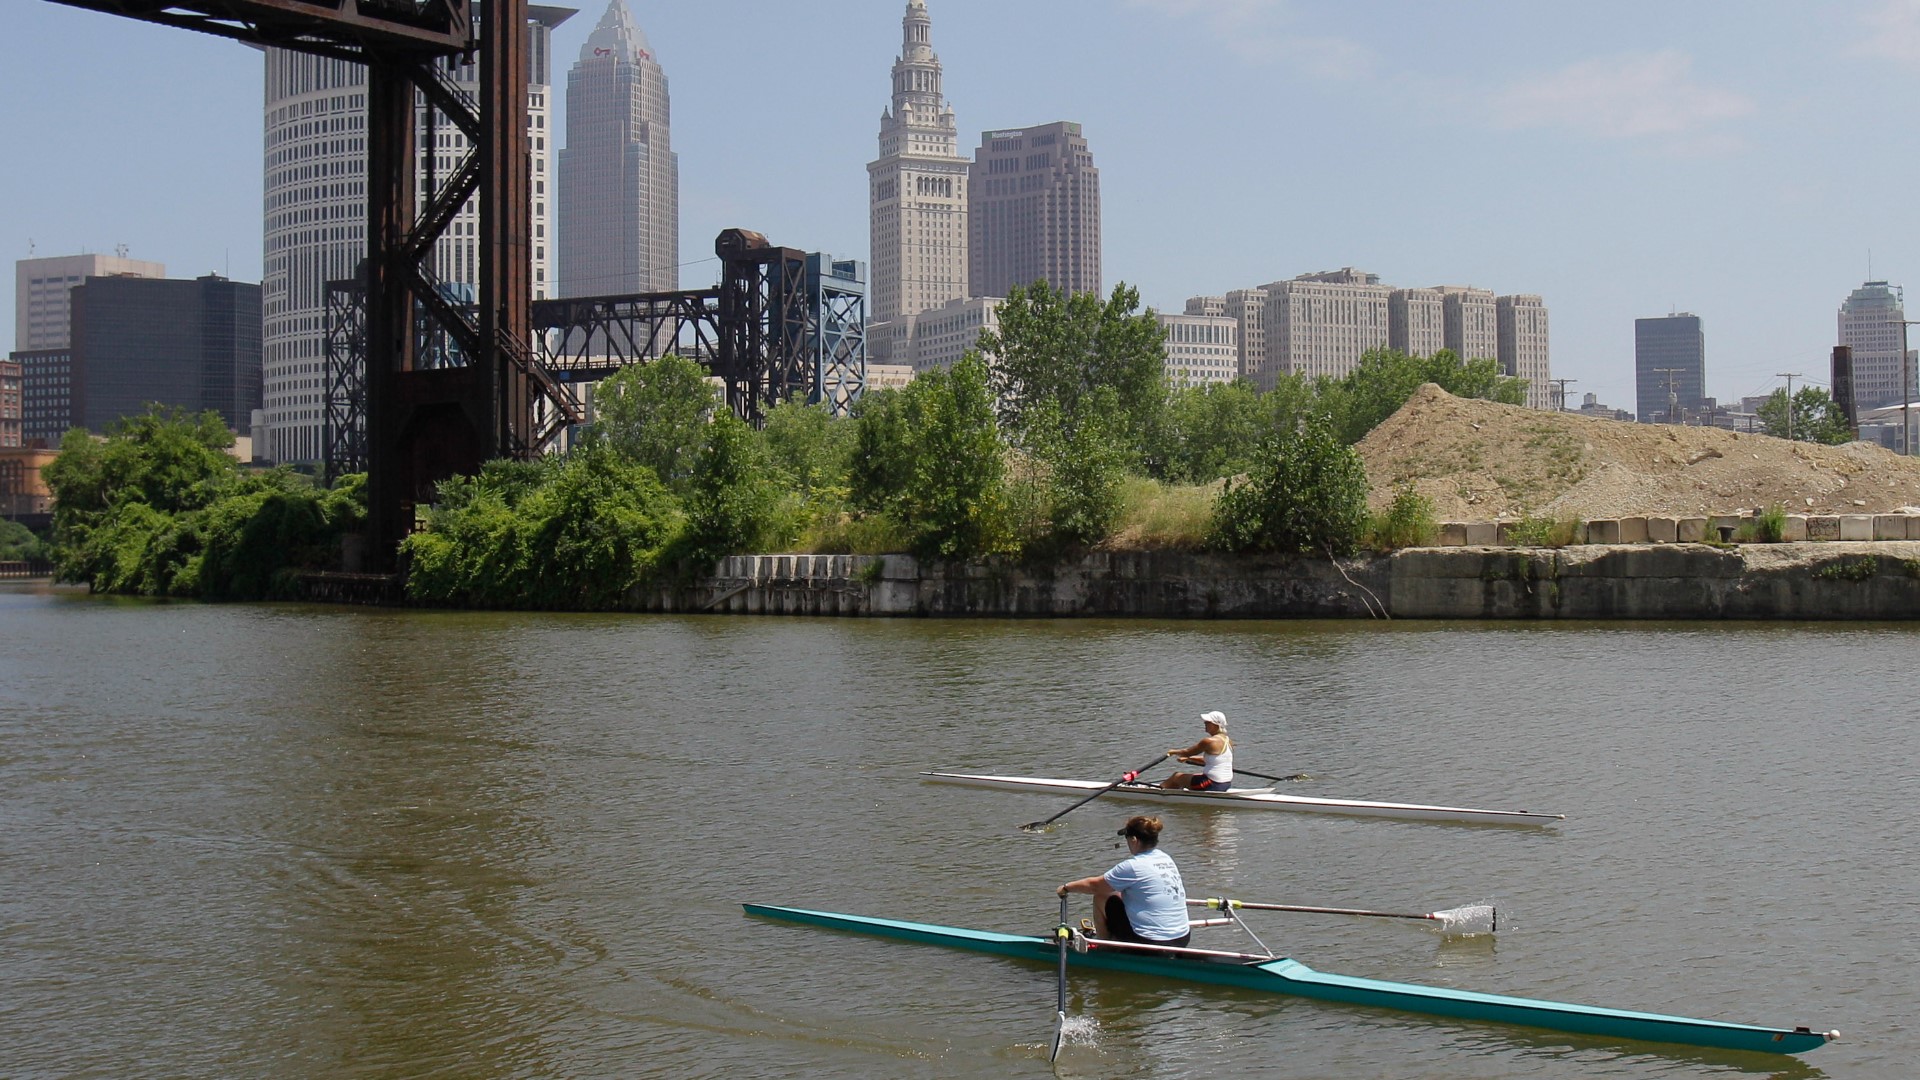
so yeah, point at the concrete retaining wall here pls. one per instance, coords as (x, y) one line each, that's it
(1828, 580)
(1692, 530)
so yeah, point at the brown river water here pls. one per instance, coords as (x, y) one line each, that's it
(287, 841)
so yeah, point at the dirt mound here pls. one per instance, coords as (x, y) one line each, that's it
(1480, 461)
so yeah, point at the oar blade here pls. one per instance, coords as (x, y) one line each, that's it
(1467, 920)
(1059, 1036)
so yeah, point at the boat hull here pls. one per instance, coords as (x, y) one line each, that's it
(1290, 977)
(1254, 799)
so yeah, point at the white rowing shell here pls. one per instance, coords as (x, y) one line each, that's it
(1253, 798)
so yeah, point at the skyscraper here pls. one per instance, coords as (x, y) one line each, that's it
(1033, 211)
(193, 345)
(316, 216)
(917, 191)
(1872, 324)
(1522, 320)
(1322, 324)
(1670, 367)
(1471, 326)
(619, 176)
(41, 288)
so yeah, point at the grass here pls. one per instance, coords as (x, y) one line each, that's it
(844, 534)
(1163, 517)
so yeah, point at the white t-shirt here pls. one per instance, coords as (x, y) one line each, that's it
(1150, 889)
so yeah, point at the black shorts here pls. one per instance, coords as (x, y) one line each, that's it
(1120, 928)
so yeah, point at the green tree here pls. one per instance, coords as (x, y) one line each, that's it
(732, 507)
(1212, 431)
(1058, 347)
(1306, 493)
(955, 503)
(885, 428)
(1817, 418)
(18, 542)
(1385, 379)
(656, 414)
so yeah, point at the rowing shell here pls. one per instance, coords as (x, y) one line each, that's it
(1257, 798)
(1291, 977)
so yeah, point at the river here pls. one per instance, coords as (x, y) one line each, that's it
(293, 841)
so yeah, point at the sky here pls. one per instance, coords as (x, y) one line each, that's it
(1743, 160)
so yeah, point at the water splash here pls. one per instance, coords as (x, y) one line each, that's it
(1080, 1030)
(1470, 919)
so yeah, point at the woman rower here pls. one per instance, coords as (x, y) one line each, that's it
(1214, 755)
(1142, 898)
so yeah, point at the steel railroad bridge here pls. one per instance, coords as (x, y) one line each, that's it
(422, 386)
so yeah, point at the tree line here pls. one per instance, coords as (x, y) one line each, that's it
(1038, 444)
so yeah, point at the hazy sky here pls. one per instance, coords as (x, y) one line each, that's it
(1739, 159)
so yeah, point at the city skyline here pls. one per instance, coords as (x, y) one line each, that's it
(1619, 164)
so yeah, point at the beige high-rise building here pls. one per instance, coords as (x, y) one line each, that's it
(42, 304)
(1033, 211)
(1200, 349)
(918, 193)
(1416, 321)
(1472, 327)
(1322, 324)
(1523, 346)
(1248, 310)
(941, 336)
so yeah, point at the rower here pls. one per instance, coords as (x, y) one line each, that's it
(1142, 898)
(1214, 754)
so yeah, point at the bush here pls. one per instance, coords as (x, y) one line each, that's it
(1305, 494)
(734, 502)
(1769, 526)
(1407, 522)
(1542, 532)
(572, 534)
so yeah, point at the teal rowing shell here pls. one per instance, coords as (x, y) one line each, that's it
(1296, 979)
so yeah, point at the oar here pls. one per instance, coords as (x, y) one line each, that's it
(1036, 826)
(1061, 934)
(1237, 770)
(1467, 919)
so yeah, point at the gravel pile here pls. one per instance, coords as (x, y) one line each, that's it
(1482, 461)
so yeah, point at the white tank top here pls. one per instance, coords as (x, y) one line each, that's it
(1219, 767)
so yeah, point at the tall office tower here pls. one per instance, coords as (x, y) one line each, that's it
(619, 176)
(316, 216)
(1522, 350)
(1322, 324)
(1200, 349)
(1472, 325)
(1669, 367)
(918, 195)
(1416, 321)
(1872, 324)
(1033, 212)
(1206, 305)
(190, 344)
(40, 288)
(1248, 309)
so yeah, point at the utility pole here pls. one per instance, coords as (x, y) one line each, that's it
(1789, 376)
(1560, 392)
(1673, 397)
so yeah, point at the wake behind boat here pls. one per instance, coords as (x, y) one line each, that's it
(1265, 798)
(1285, 976)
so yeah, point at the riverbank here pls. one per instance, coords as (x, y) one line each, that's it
(1790, 581)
